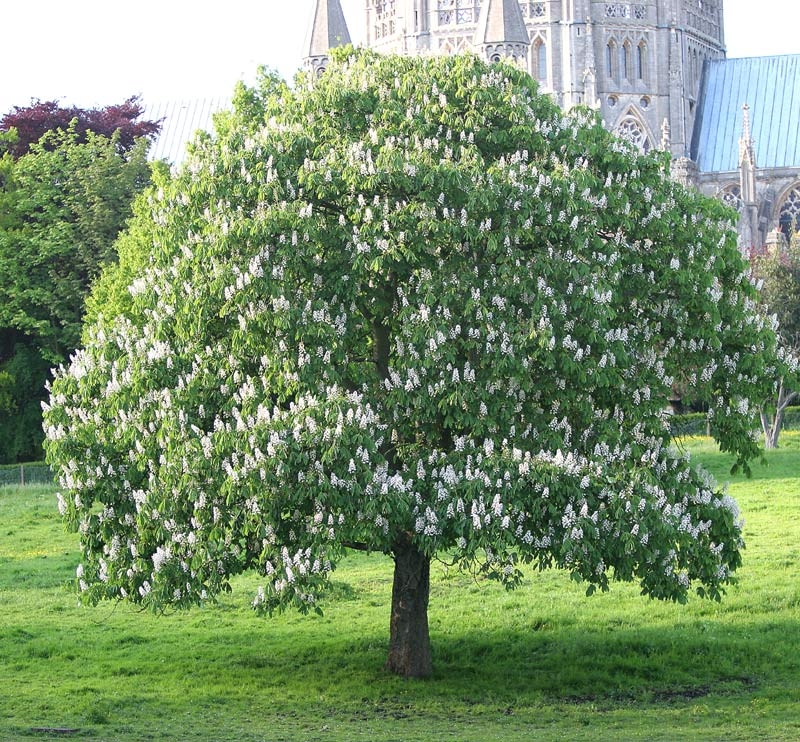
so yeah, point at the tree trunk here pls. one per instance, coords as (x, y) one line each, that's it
(768, 429)
(772, 424)
(409, 641)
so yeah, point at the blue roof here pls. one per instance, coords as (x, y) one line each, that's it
(771, 87)
(181, 120)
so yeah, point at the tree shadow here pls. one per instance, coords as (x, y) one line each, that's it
(608, 665)
(622, 665)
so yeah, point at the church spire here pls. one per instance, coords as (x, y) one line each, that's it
(747, 159)
(328, 29)
(749, 227)
(501, 31)
(746, 142)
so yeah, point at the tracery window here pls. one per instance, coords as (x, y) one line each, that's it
(732, 196)
(626, 10)
(533, 10)
(457, 12)
(789, 216)
(630, 129)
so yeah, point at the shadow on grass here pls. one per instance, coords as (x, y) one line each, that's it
(502, 668)
(309, 669)
(636, 664)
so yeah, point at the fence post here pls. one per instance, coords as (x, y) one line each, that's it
(22, 474)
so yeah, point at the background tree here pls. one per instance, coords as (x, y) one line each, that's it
(410, 307)
(62, 205)
(32, 122)
(778, 271)
(7, 404)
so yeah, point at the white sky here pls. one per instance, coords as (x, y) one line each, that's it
(97, 52)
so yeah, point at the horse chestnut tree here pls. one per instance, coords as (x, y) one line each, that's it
(409, 306)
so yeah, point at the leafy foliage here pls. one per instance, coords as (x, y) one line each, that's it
(6, 397)
(62, 204)
(414, 303)
(778, 272)
(32, 122)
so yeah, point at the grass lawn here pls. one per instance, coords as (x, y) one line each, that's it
(543, 663)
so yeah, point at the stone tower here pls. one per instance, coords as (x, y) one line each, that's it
(501, 31)
(327, 30)
(639, 62)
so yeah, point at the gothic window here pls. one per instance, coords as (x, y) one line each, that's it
(641, 61)
(384, 18)
(618, 10)
(540, 60)
(632, 130)
(612, 59)
(626, 10)
(384, 29)
(533, 10)
(457, 12)
(731, 196)
(626, 60)
(704, 16)
(789, 216)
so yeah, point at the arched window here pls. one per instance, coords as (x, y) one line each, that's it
(540, 60)
(641, 61)
(789, 215)
(626, 60)
(631, 129)
(612, 59)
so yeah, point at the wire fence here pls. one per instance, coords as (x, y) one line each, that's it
(21, 474)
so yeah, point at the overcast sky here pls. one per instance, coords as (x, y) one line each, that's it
(95, 52)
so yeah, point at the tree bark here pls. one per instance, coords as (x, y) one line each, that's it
(772, 424)
(409, 641)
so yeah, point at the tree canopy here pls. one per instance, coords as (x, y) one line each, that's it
(777, 269)
(32, 122)
(62, 205)
(410, 306)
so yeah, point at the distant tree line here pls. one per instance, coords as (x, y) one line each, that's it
(68, 177)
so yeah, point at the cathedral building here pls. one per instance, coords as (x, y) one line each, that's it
(656, 71)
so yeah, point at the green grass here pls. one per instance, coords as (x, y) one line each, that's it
(542, 663)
